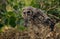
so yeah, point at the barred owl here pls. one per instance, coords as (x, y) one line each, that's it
(37, 16)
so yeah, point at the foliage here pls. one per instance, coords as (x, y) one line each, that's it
(10, 10)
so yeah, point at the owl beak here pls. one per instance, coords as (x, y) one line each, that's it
(25, 22)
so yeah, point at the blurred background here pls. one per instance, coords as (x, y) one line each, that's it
(11, 11)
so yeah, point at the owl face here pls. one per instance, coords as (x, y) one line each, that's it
(27, 13)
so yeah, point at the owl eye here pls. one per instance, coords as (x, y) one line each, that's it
(28, 12)
(24, 13)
